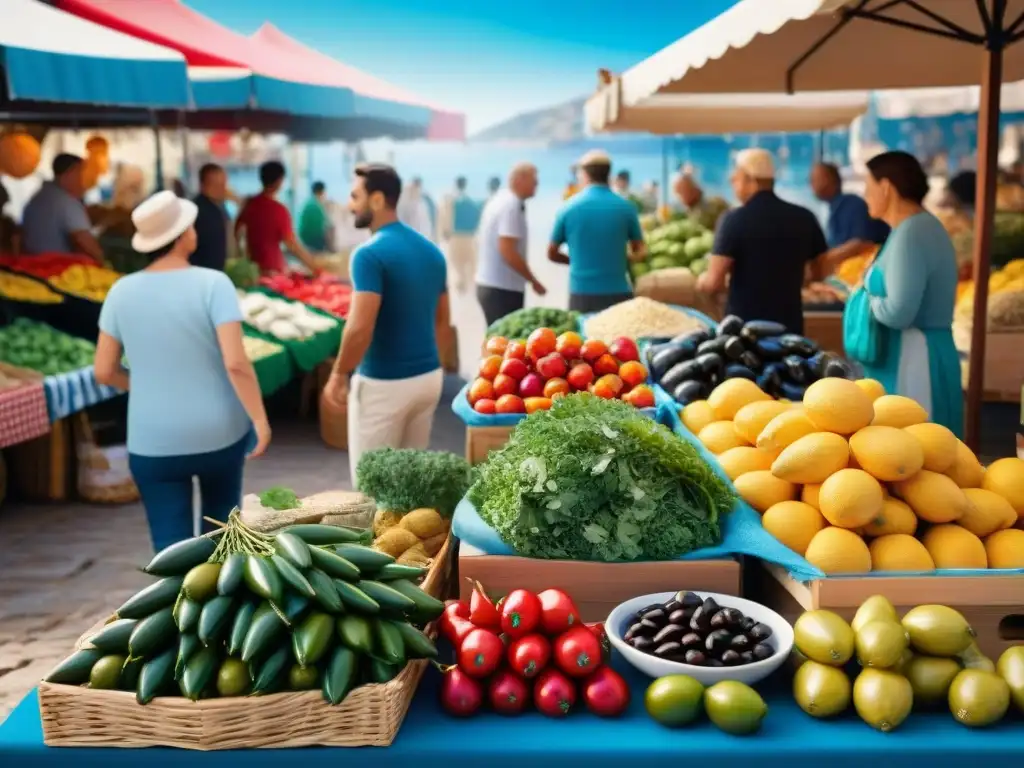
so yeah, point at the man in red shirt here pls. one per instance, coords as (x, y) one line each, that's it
(267, 224)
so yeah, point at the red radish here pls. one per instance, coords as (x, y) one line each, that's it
(452, 608)
(480, 653)
(553, 693)
(458, 628)
(624, 349)
(481, 610)
(514, 367)
(605, 693)
(508, 694)
(552, 366)
(577, 652)
(558, 613)
(520, 613)
(461, 695)
(529, 655)
(532, 385)
(601, 634)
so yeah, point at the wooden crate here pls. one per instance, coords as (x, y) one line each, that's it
(482, 440)
(994, 605)
(826, 328)
(596, 588)
(1004, 362)
(449, 353)
(43, 469)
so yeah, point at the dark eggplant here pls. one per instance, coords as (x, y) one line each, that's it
(838, 369)
(751, 360)
(769, 349)
(738, 371)
(664, 356)
(795, 344)
(760, 329)
(796, 369)
(770, 379)
(681, 372)
(642, 613)
(671, 607)
(671, 633)
(792, 392)
(713, 345)
(727, 618)
(695, 658)
(747, 623)
(709, 362)
(734, 348)
(710, 606)
(650, 627)
(730, 325)
(638, 630)
(689, 391)
(696, 337)
(819, 362)
(760, 632)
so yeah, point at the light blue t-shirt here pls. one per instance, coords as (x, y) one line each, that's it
(409, 273)
(597, 225)
(181, 401)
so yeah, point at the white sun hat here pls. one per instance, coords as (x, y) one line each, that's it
(756, 163)
(161, 219)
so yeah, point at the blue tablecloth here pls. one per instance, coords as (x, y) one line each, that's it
(69, 393)
(431, 738)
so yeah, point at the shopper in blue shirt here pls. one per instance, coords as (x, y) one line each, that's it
(850, 230)
(460, 217)
(602, 232)
(388, 370)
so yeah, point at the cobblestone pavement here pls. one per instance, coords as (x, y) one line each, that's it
(65, 567)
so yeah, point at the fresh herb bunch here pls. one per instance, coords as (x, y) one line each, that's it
(279, 498)
(594, 479)
(403, 479)
(521, 323)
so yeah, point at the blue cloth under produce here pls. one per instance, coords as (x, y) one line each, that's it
(69, 393)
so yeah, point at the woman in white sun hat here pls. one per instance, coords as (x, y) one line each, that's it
(193, 400)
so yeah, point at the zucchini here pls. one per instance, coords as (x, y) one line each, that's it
(152, 634)
(293, 549)
(74, 670)
(215, 619)
(113, 638)
(262, 579)
(759, 329)
(710, 362)
(681, 372)
(334, 565)
(292, 576)
(364, 558)
(665, 356)
(266, 629)
(356, 632)
(689, 391)
(425, 604)
(186, 614)
(386, 596)
(380, 672)
(106, 673)
(155, 675)
(314, 533)
(198, 673)
(355, 599)
(389, 643)
(417, 645)
(295, 607)
(187, 647)
(181, 557)
(324, 590)
(717, 346)
(131, 671)
(312, 638)
(340, 675)
(232, 571)
(738, 371)
(394, 571)
(794, 344)
(240, 626)
(158, 595)
(270, 671)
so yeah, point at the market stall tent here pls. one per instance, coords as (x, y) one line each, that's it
(787, 46)
(940, 102)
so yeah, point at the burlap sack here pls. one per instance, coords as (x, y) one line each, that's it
(348, 508)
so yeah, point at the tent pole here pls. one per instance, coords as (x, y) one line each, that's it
(985, 199)
(664, 171)
(159, 170)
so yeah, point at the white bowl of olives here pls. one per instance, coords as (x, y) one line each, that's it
(708, 636)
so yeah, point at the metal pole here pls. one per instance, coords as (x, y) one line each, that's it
(159, 153)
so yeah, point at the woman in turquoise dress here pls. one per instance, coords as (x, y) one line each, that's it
(909, 294)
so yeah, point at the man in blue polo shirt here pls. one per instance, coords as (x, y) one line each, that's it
(850, 231)
(460, 216)
(602, 232)
(397, 322)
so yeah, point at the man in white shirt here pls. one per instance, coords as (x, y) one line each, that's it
(502, 269)
(414, 212)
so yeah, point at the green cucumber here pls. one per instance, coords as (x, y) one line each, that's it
(340, 675)
(380, 672)
(74, 670)
(270, 671)
(385, 596)
(152, 634)
(198, 673)
(155, 675)
(293, 549)
(240, 626)
(356, 632)
(130, 673)
(181, 557)
(266, 629)
(364, 558)
(326, 593)
(262, 579)
(314, 533)
(158, 595)
(187, 647)
(417, 645)
(201, 582)
(232, 571)
(426, 605)
(215, 619)
(312, 638)
(393, 571)
(292, 576)
(389, 643)
(355, 599)
(113, 638)
(295, 607)
(186, 614)
(333, 565)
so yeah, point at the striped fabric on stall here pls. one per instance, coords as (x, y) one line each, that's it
(69, 393)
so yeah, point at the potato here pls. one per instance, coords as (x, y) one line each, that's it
(423, 522)
(384, 519)
(395, 541)
(433, 545)
(414, 556)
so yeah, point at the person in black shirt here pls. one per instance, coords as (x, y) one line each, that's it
(763, 249)
(211, 220)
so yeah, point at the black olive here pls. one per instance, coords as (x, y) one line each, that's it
(692, 641)
(644, 644)
(700, 621)
(733, 618)
(649, 626)
(763, 651)
(710, 361)
(710, 606)
(731, 658)
(734, 348)
(671, 606)
(760, 632)
(730, 325)
(747, 623)
(718, 641)
(636, 630)
(688, 598)
(669, 633)
(696, 658)
(715, 663)
(656, 615)
(747, 657)
(668, 650)
(751, 360)
(740, 643)
(680, 616)
(653, 607)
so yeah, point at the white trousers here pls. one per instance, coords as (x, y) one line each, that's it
(461, 252)
(391, 413)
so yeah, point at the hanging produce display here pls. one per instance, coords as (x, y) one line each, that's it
(19, 154)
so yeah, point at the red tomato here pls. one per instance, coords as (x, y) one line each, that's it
(640, 396)
(485, 406)
(608, 387)
(551, 366)
(599, 632)
(529, 655)
(481, 609)
(480, 389)
(580, 377)
(489, 367)
(515, 349)
(558, 613)
(520, 613)
(534, 404)
(540, 343)
(632, 373)
(480, 653)
(605, 693)
(452, 608)
(510, 404)
(555, 387)
(504, 385)
(605, 364)
(624, 349)
(568, 345)
(508, 694)
(459, 629)
(593, 349)
(514, 368)
(577, 652)
(461, 695)
(553, 693)
(496, 345)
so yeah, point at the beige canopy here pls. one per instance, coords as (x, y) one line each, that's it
(722, 113)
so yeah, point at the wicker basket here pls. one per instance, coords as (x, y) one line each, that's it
(370, 716)
(99, 481)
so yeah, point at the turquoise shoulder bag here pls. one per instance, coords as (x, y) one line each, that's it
(864, 338)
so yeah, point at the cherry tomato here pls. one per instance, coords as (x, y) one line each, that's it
(553, 693)
(558, 613)
(601, 634)
(605, 693)
(461, 695)
(481, 610)
(520, 613)
(577, 652)
(529, 655)
(480, 653)
(459, 629)
(507, 693)
(452, 608)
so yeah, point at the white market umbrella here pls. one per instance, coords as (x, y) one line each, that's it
(785, 46)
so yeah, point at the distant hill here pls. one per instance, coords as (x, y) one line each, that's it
(560, 123)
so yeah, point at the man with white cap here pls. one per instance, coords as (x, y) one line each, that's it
(602, 231)
(763, 248)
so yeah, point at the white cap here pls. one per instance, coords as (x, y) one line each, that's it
(756, 163)
(160, 220)
(594, 157)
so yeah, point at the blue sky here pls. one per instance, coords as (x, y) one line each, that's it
(489, 60)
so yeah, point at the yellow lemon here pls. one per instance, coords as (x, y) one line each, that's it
(697, 415)
(838, 405)
(761, 489)
(793, 523)
(896, 517)
(732, 394)
(989, 512)
(812, 458)
(900, 552)
(933, 497)
(1005, 549)
(784, 430)
(851, 498)
(966, 471)
(954, 547)
(1006, 477)
(886, 453)
(871, 387)
(752, 418)
(837, 550)
(720, 436)
(897, 411)
(938, 444)
(744, 458)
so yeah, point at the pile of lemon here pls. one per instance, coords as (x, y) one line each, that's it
(20, 288)
(856, 480)
(86, 281)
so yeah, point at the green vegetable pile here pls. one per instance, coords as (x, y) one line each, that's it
(279, 498)
(680, 243)
(28, 344)
(1007, 240)
(403, 479)
(248, 613)
(521, 323)
(242, 272)
(593, 479)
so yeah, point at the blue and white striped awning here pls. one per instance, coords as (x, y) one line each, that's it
(47, 55)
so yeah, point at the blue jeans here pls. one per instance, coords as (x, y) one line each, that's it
(165, 484)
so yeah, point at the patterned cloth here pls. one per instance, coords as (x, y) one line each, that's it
(23, 414)
(69, 393)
